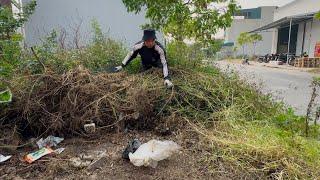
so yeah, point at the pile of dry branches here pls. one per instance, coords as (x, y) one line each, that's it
(63, 104)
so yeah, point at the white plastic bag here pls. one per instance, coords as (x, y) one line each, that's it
(150, 153)
(49, 141)
(4, 158)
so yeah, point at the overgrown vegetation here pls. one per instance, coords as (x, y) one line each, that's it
(10, 39)
(245, 131)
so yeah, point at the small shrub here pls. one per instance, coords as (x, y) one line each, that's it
(182, 55)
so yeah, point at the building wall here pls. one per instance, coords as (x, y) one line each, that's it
(245, 25)
(253, 13)
(68, 14)
(308, 37)
(274, 41)
(300, 39)
(312, 36)
(312, 31)
(297, 7)
(315, 36)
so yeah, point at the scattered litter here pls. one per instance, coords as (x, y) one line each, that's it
(131, 148)
(78, 163)
(150, 153)
(90, 128)
(4, 158)
(93, 159)
(59, 151)
(49, 142)
(30, 158)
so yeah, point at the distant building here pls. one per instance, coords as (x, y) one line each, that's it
(296, 19)
(247, 20)
(74, 18)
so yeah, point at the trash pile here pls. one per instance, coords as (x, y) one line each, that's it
(45, 147)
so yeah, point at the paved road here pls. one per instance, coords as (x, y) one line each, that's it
(290, 86)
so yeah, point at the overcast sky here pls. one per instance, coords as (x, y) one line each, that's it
(257, 3)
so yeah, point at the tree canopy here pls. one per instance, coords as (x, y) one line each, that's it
(254, 38)
(243, 38)
(181, 19)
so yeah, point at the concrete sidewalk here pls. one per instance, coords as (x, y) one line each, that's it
(285, 83)
(284, 66)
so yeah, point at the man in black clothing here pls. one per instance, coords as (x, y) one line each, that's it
(152, 55)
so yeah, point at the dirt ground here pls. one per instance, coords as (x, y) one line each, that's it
(187, 164)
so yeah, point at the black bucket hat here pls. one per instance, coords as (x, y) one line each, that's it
(149, 34)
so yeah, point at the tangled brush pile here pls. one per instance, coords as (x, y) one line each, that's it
(62, 104)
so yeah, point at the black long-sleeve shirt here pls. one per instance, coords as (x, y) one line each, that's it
(149, 56)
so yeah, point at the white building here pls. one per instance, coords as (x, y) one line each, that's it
(247, 20)
(75, 17)
(296, 19)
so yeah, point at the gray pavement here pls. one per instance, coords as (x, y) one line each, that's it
(290, 86)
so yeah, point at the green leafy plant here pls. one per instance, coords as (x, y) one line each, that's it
(317, 15)
(10, 21)
(182, 55)
(5, 96)
(104, 52)
(10, 48)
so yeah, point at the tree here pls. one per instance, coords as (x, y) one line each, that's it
(254, 39)
(246, 38)
(243, 40)
(186, 19)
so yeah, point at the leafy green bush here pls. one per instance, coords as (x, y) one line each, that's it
(10, 49)
(10, 55)
(182, 55)
(101, 54)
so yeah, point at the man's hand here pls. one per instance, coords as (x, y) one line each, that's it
(118, 68)
(168, 83)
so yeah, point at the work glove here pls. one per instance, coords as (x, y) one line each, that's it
(168, 83)
(118, 68)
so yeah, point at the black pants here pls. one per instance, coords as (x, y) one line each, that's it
(157, 64)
